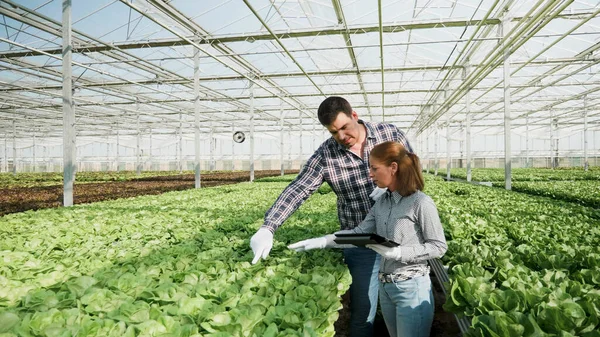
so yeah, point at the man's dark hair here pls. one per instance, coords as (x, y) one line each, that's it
(331, 107)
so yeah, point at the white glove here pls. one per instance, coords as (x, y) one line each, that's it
(377, 193)
(316, 243)
(261, 244)
(387, 252)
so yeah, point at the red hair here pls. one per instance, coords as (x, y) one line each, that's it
(409, 177)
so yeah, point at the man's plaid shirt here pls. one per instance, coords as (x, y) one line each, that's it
(344, 171)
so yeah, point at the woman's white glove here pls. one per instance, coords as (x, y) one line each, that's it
(316, 243)
(387, 252)
(377, 193)
(261, 244)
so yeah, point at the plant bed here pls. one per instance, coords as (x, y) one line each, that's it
(20, 199)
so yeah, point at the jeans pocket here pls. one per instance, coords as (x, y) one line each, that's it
(407, 286)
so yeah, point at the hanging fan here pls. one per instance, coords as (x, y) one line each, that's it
(239, 137)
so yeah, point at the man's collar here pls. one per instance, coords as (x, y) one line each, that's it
(369, 127)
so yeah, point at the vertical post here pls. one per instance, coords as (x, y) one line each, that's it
(507, 126)
(117, 148)
(421, 150)
(197, 176)
(232, 150)
(14, 168)
(33, 149)
(69, 154)
(427, 151)
(150, 149)
(138, 157)
(46, 159)
(527, 141)
(300, 128)
(585, 131)
(468, 127)
(555, 163)
(290, 148)
(211, 143)
(281, 136)
(5, 158)
(435, 149)
(448, 142)
(180, 147)
(251, 131)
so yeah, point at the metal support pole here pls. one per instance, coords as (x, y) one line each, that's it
(290, 148)
(46, 159)
(435, 149)
(138, 156)
(117, 148)
(585, 131)
(212, 147)
(251, 131)
(180, 147)
(197, 175)
(301, 147)
(556, 139)
(14, 168)
(281, 136)
(5, 158)
(427, 152)
(421, 150)
(33, 150)
(150, 149)
(468, 126)
(232, 150)
(448, 148)
(527, 142)
(69, 149)
(507, 132)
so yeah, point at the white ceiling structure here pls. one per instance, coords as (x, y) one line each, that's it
(414, 63)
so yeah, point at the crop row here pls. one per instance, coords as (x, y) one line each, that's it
(520, 265)
(169, 265)
(525, 174)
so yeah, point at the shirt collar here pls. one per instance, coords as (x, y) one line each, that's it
(394, 196)
(370, 128)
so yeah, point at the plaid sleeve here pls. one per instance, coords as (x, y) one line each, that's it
(307, 181)
(404, 141)
(434, 242)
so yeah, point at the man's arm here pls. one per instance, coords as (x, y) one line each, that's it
(294, 195)
(308, 180)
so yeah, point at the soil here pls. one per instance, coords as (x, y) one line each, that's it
(13, 200)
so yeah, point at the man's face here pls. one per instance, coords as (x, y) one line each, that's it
(345, 129)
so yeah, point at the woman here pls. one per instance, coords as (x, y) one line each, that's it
(407, 216)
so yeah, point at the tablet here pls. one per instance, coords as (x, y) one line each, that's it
(363, 239)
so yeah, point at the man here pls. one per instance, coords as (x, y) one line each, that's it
(342, 162)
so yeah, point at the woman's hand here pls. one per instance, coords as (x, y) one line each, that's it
(387, 252)
(316, 243)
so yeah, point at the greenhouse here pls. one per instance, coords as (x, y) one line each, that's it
(142, 142)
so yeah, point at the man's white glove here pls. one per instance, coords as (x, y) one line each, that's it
(316, 243)
(377, 193)
(387, 252)
(261, 244)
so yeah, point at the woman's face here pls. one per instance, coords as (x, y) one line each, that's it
(383, 175)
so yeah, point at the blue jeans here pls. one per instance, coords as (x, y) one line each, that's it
(407, 307)
(363, 264)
